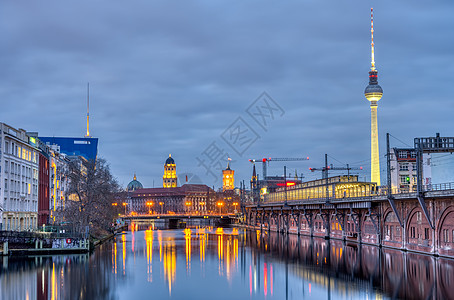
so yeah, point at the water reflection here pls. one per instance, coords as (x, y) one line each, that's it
(227, 264)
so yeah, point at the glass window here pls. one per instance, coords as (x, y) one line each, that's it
(403, 167)
(402, 154)
(403, 179)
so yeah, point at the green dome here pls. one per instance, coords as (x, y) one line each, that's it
(134, 185)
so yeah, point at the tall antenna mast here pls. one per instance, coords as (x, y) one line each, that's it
(372, 39)
(88, 110)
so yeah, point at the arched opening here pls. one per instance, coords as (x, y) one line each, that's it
(21, 224)
(446, 233)
(418, 229)
(392, 230)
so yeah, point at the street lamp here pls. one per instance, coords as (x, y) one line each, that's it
(161, 203)
(201, 208)
(234, 205)
(220, 204)
(188, 203)
(124, 204)
(149, 204)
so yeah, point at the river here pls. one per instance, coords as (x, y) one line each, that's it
(227, 263)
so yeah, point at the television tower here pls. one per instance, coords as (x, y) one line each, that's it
(373, 93)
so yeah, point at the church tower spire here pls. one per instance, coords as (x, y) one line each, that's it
(169, 179)
(228, 178)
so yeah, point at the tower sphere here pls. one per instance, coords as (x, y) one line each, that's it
(373, 92)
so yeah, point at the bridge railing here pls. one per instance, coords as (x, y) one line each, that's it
(440, 186)
(368, 194)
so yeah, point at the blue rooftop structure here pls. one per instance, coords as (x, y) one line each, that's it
(85, 147)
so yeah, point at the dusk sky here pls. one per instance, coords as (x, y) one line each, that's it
(179, 76)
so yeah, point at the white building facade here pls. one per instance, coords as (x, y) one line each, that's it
(19, 163)
(59, 182)
(404, 170)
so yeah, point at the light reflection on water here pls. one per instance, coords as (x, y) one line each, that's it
(226, 263)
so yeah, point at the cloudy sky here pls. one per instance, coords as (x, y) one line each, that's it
(187, 77)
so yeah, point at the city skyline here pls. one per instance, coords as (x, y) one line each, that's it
(174, 84)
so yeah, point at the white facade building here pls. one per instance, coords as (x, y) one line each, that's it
(19, 162)
(404, 170)
(59, 181)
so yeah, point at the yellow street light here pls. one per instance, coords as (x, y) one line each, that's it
(149, 204)
(220, 204)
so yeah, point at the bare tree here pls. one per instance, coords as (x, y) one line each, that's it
(92, 191)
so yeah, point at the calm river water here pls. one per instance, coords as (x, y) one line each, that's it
(227, 263)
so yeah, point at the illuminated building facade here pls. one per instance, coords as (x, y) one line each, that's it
(59, 182)
(169, 179)
(53, 181)
(338, 187)
(19, 169)
(228, 178)
(189, 198)
(373, 94)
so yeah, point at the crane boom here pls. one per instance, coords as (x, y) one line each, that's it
(327, 168)
(265, 160)
(287, 159)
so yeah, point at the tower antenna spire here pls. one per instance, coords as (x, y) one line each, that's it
(372, 46)
(373, 93)
(88, 110)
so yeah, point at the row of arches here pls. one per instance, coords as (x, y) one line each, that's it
(374, 226)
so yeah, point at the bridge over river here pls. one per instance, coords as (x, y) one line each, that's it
(181, 220)
(417, 221)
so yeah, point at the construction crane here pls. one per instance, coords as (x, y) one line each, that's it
(265, 160)
(327, 168)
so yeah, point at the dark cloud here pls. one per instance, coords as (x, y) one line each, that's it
(170, 77)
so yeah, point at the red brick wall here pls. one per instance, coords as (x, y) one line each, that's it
(43, 190)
